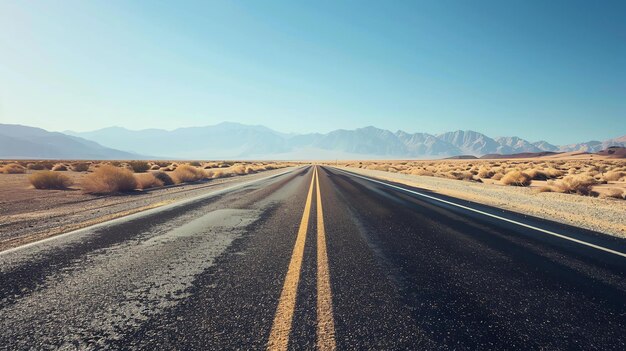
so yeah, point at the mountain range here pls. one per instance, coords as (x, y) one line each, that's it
(22, 142)
(233, 140)
(239, 141)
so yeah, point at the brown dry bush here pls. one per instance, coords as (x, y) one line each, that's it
(147, 181)
(49, 180)
(80, 167)
(59, 168)
(578, 184)
(421, 172)
(221, 173)
(459, 175)
(36, 166)
(614, 176)
(486, 172)
(516, 178)
(139, 166)
(238, 169)
(155, 167)
(187, 173)
(163, 177)
(108, 180)
(13, 168)
(497, 176)
(614, 193)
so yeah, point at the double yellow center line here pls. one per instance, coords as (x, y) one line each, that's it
(281, 328)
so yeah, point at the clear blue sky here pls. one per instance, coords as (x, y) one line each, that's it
(553, 70)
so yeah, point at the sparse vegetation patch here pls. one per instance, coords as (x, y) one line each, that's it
(49, 180)
(109, 179)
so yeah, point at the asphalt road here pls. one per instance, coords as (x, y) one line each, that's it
(317, 258)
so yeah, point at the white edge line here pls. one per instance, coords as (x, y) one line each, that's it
(489, 214)
(146, 212)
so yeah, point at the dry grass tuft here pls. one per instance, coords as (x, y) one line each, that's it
(576, 184)
(139, 166)
(187, 173)
(147, 181)
(421, 172)
(516, 178)
(13, 168)
(109, 180)
(163, 177)
(80, 167)
(36, 166)
(486, 172)
(614, 193)
(59, 168)
(49, 180)
(462, 175)
(614, 176)
(238, 169)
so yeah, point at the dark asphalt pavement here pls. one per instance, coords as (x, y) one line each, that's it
(406, 272)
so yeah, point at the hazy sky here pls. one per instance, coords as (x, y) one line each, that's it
(553, 70)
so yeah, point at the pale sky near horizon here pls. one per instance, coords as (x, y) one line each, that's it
(551, 70)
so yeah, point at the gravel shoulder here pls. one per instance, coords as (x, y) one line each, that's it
(28, 214)
(603, 215)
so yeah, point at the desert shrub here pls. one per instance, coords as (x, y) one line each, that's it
(155, 167)
(614, 176)
(220, 173)
(163, 177)
(195, 164)
(108, 180)
(147, 181)
(13, 168)
(139, 166)
(486, 172)
(543, 174)
(36, 166)
(578, 184)
(238, 169)
(49, 180)
(460, 175)
(59, 168)
(80, 167)
(497, 176)
(516, 178)
(187, 173)
(614, 193)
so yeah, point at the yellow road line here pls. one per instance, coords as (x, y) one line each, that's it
(281, 327)
(325, 322)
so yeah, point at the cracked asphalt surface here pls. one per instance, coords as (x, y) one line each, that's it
(406, 272)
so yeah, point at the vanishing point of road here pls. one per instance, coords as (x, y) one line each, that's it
(317, 258)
